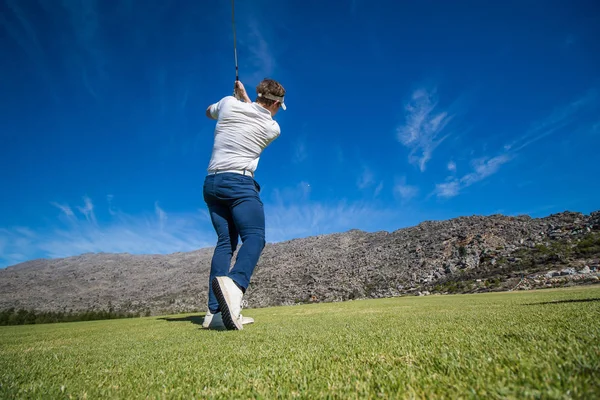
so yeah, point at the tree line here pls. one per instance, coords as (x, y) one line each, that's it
(13, 316)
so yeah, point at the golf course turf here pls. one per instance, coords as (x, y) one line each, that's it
(524, 344)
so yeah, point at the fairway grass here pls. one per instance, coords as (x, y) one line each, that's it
(538, 344)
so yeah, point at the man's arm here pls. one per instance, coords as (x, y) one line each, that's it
(212, 111)
(242, 91)
(208, 114)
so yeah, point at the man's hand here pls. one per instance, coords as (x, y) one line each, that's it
(241, 92)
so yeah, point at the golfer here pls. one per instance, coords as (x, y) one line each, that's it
(243, 130)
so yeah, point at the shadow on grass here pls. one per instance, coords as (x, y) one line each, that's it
(564, 301)
(194, 319)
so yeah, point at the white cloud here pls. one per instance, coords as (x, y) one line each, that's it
(109, 199)
(25, 232)
(378, 189)
(153, 233)
(86, 27)
(65, 209)
(260, 58)
(305, 188)
(452, 166)
(448, 189)
(365, 179)
(289, 214)
(88, 209)
(300, 192)
(482, 168)
(14, 245)
(17, 24)
(295, 220)
(424, 124)
(405, 191)
(161, 215)
(300, 153)
(566, 116)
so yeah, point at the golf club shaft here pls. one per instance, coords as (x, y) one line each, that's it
(235, 92)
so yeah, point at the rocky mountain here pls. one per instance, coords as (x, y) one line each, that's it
(466, 255)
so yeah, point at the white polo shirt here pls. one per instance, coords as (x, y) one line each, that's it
(243, 131)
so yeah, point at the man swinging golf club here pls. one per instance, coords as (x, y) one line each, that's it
(243, 130)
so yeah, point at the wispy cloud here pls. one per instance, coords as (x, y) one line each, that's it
(161, 215)
(3, 241)
(296, 220)
(568, 116)
(155, 233)
(482, 168)
(448, 189)
(425, 122)
(15, 246)
(365, 179)
(109, 199)
(290, 213)
(404, 191)
(89, 56)
(65, 209)
(261, 61)
(300, 152)
(378, 189)
(25, 232)
(452, 166)
(291, 194)
(17, 24)
(88, 210)
(572, 117)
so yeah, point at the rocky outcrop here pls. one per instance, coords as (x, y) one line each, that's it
(466, 254)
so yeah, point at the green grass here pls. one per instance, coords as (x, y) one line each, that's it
(542, 344)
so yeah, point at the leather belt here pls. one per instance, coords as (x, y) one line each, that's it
(235, 171)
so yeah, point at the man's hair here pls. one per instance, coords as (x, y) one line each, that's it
(269, 86)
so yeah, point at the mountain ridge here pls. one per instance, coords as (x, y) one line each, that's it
(465, 254)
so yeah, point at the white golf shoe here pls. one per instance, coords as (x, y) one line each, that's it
(229, 296)
(215, 321)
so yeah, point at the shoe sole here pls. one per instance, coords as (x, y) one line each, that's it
(221, 295)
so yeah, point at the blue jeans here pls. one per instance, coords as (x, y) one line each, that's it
(235, 210)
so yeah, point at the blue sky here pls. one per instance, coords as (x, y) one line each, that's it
(398, 112)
